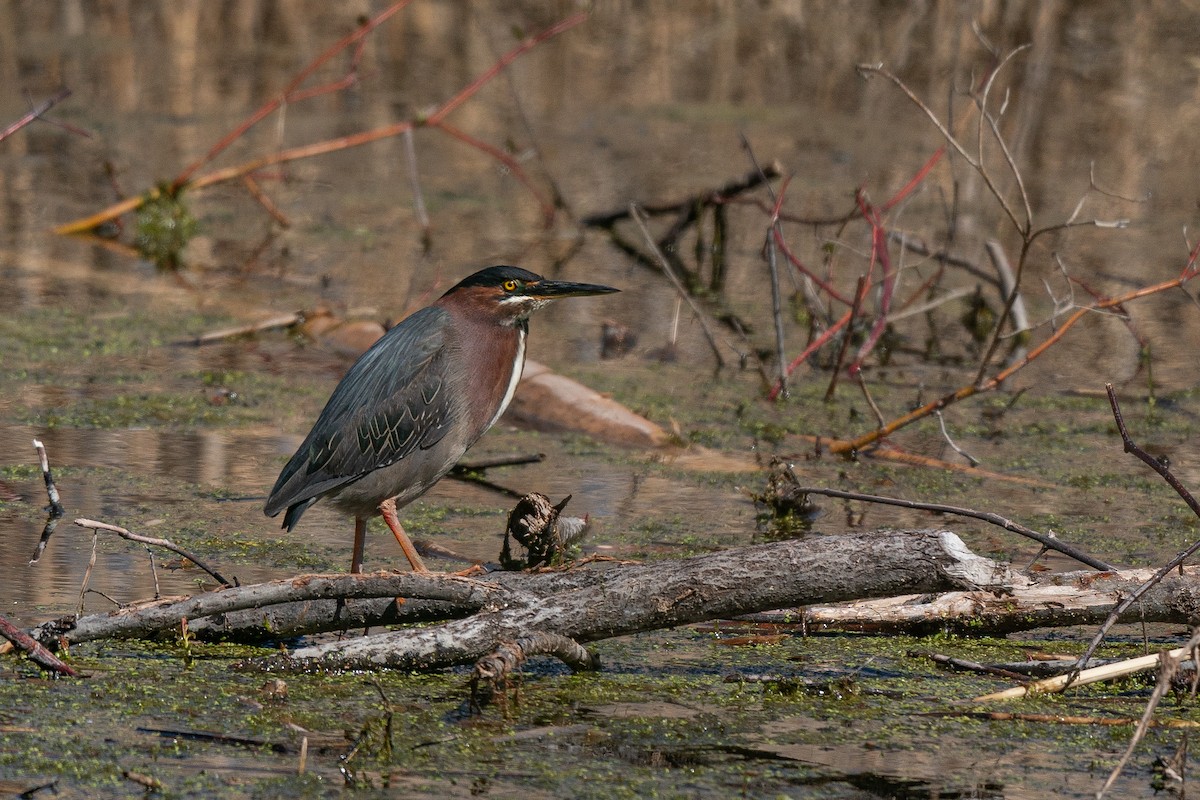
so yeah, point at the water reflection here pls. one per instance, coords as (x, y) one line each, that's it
(209, 485)
(656, 118)
(646, 101)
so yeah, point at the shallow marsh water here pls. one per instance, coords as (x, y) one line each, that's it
(640, 103)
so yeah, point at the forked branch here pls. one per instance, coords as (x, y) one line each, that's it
(434, 119)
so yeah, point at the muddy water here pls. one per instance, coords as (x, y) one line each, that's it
(643, 102)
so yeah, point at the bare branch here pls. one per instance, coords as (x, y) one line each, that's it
(148, 540)
(636, 215)
(1047, 540)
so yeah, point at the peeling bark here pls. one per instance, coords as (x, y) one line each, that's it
(1072, 598)
(631, 599)
(481, 617)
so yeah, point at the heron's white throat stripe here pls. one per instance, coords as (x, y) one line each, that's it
(518, 368)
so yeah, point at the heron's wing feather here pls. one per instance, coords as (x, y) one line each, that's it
(393, 401)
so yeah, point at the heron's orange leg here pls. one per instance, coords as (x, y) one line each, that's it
(388, 509)
(360, 539)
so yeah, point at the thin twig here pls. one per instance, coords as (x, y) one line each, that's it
(1168, 666)
(558, 199)
(862, 386)
(879, 253)
(774, 234)
(751, 180)
(859, 293)
(777, 302)
(36, 113)
(1009, 288)
(938, 508)
(1060, 719)
(1189, 271)
(1173, 482)
(915, 245)
(164, 543)
(486, 462)
(328, 146)
(1060, 683)
(813, 346)
(930, 305)
(56, 510)
(971, 666)
(292, 93)
(974, 462)
(87, 574)
(636, 215)
(153, 572)
(266, 202)
(973, 161)
(414, 183)
(508, 161)
(990, 119)
(272, 323)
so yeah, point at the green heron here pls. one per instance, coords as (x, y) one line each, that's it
(411, 405)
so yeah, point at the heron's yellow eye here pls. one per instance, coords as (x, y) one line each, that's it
(510, 285)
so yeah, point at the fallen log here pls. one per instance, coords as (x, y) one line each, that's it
(631, 599)
(309, 604)
(588, 603)
(1070, 598)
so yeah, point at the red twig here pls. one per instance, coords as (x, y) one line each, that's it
(922, 173)
(290, 93)
(924, 288)
(505, 159)
(879, 254)
(36, 113)
(258, 194)
(879, 250)
(329, 146)
(816, 345)
(1189, 271)
(805, 271)
(36, 650)
(859, 294)
(505, 60)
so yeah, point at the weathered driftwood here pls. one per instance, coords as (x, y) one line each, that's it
(310, 604)
(584, 604)
(630, 599)
(1072, 598)
(480, 616)
(150, 618)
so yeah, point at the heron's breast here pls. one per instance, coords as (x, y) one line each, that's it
(491, 366)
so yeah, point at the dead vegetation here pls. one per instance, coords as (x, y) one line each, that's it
(848, 307)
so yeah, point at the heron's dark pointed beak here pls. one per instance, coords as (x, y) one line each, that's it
(552, 290)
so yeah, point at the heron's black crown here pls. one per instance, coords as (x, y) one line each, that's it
(496, 278)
